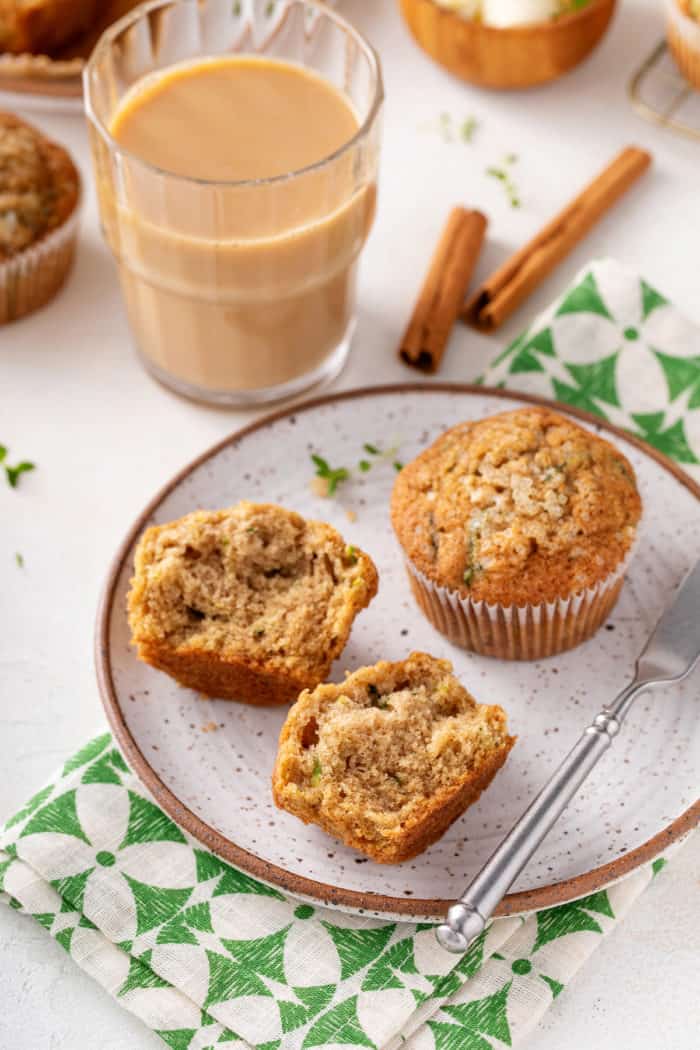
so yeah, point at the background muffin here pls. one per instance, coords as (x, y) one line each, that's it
(39, 194)
(253, 603)
(505, 521)
(41, 26)
(389, 758)
(683, 32)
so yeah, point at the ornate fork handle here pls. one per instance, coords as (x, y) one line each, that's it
(468, 917)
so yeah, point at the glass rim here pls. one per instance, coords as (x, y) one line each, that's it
(110, 34)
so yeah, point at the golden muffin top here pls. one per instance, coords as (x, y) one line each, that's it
(39, 185)
(517, 509)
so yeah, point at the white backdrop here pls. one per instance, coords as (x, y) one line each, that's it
(74, 400)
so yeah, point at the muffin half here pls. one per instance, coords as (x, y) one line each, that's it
(253, 603)
(389, 758)
(39, 196)
(516, 531)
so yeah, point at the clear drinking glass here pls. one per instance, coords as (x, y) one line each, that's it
(237, 292)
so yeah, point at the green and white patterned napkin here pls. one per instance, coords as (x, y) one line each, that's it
(204, 954)
(614, 346)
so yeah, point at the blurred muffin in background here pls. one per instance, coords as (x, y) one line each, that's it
(42, 26)
(39, 195)
(683, 32)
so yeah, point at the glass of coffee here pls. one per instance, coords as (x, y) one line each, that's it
(235, 148)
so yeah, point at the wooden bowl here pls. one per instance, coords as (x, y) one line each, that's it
(516, 57)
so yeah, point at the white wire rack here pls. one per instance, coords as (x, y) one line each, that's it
(660, 93)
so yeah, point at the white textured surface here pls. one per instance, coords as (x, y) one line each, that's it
(74, 399)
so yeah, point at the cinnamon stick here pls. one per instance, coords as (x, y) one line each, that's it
(505, 289)
(443, 291)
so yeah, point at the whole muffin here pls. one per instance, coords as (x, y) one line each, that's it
(516, 531)
(39, 194)
(683, 32)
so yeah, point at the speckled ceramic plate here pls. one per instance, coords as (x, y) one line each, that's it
(208, 762)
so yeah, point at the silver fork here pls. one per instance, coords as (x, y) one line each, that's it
(670, 654)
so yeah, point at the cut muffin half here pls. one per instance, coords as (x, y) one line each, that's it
(253, 603)
(388, 759)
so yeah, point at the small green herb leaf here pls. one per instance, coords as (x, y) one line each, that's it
(335, 480)
(334, 476)
(398, 465)
(19, 559)
(316, 772)
(372, 449)
(504, 176)
(321, 464)
(468, 575)
(3, 452)
(351, 554)
(364, 465)
(14, 473)
(468, 128)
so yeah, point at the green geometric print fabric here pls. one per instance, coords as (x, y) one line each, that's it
(208, 957)
(614, 346)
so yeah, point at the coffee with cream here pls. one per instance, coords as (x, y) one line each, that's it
(236, 218)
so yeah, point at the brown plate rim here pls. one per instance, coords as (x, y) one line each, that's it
(299, 885)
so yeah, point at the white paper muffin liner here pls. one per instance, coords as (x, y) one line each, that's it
(34, 275)
(517, 632)
(683, 35)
